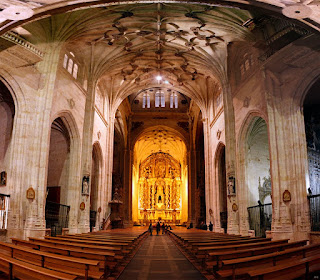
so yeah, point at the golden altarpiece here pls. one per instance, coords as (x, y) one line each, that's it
(160, 188)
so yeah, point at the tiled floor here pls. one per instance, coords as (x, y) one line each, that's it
(159, 259)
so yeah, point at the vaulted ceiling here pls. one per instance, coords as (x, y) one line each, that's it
(17, 11)
(126, 46)
(160, 139)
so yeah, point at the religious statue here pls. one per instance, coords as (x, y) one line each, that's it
(231, 186)
(85, 185)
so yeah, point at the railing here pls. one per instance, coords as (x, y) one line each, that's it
(57, 217)
(93, 216)
(4, 207)
(260, 217)
(15, 38)
(285, 32)
(314, 203)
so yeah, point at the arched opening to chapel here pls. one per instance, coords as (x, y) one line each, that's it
(258, 178)
(57, 208)
(312, 129)
(7, 113)
(95, 184)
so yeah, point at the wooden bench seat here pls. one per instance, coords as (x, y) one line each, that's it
(235, 267)
(198, 246)
(77, 266)
(202, 253)
(121, 245)
(83, 246)
(26, 271)
(109, 260)
(218, 256)
(288, 271)
(234, 247)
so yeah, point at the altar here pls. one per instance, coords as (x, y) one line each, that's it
(159, 194)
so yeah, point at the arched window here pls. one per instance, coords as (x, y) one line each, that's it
(173, 100)
(163, 99)
(146, 100)
(157, 99)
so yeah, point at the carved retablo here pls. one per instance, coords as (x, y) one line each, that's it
(159, 188)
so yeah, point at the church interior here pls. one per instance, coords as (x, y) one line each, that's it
(199, 117)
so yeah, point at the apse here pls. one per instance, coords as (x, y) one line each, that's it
(160, 177)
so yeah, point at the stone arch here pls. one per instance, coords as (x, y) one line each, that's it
(7, 116)
(65, 134)
(241, 181)
(221, 186)
(130, 89)
(312, 135)
(96, 179)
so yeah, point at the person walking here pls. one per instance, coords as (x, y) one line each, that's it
(150, 228)
(163, 228)
(158, 228)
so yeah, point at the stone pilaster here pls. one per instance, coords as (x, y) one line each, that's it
(39, 139)
(230, 138)
(289, 159)
(84, 215)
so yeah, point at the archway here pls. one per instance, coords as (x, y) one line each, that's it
(57, 210)
(95, 183)
(7, 112)
(258, 177)
(312, 128)
(221, 172)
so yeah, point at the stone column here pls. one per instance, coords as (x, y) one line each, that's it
(109, 165)
(208, 170)
(230, 138)
(289, 159)
(39, 142)
(84, 215)
(17, 167)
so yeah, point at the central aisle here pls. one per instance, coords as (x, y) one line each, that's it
(159, 259)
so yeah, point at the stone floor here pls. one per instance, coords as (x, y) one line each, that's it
(159, 259)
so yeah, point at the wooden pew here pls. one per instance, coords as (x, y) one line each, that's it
(26, 271)
(122, 245)
(236, 267)
(71, 265)
(197, 246)
(83, 246)
(215, 258)
(290, 270)
(109, 260)
(202, 253)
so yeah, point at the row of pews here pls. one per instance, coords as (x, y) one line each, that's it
(224, 256)
(99, 255)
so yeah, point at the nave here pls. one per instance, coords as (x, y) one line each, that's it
(159, 258)
(176, 254)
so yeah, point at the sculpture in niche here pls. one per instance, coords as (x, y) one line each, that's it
(3, 178)
(161, 170)
(231, 186)
(85, 185)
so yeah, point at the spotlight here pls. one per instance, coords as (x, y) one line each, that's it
(166, 82)
(159, 78)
